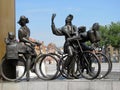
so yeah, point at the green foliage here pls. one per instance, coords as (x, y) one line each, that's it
(110, 35)
(114, 34)
(88, 43)
(104, 35)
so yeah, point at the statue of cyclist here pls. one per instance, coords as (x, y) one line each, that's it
(24, 38)
(68, 30)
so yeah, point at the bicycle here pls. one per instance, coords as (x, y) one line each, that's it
(22, 65)
(83, 60)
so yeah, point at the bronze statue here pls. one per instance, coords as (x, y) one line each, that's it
(94, 34)
(68, 30)
(26, 46)
(24, 35)
(11, 46)
(84, 37)
(10, 56)
(10, 39)
(24, 31)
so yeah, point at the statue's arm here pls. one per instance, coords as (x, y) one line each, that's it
(22, 38)
(7, 41)
(56, 31)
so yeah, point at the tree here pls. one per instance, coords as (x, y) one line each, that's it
(104, 36)
(110, 35)
(114, 34)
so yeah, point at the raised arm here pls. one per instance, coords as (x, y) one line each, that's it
(55, 30)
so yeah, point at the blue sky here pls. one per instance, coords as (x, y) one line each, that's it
(85, 12)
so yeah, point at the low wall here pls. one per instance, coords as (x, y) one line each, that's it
(62, 85)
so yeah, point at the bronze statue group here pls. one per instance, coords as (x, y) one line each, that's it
(76, 60)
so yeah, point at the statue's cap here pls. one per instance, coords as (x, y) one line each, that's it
(69, 17)
(23, 17)
(82, 29)
(95, 26)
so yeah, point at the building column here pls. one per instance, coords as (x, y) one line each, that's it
(7, 21)
(7, 24)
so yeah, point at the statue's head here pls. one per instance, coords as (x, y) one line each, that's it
(81, 29)
(23, 20)
(69, 18)
(95, 26)
(11, 35)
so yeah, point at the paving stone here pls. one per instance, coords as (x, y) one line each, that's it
(58, 85)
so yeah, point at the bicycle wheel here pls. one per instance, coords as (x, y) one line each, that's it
(46, 67)
(61, 65)
(57, 56)
(68, 67)
(19, 69)
(89, 65)
(106, 65)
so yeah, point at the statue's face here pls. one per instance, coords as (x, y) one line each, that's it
(68, 21)
(23, 22)
(11, 35)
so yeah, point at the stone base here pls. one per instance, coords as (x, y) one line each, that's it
(80, 84)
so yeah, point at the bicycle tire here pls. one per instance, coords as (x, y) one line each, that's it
(63, 68)
(107, 63)
(60, 66)
(20, 64)
(57, 56)
(40, 72)
(88, 59)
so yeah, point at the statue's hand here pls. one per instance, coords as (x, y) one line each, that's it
(53, 16)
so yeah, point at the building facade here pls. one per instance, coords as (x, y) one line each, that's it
(113, 53)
